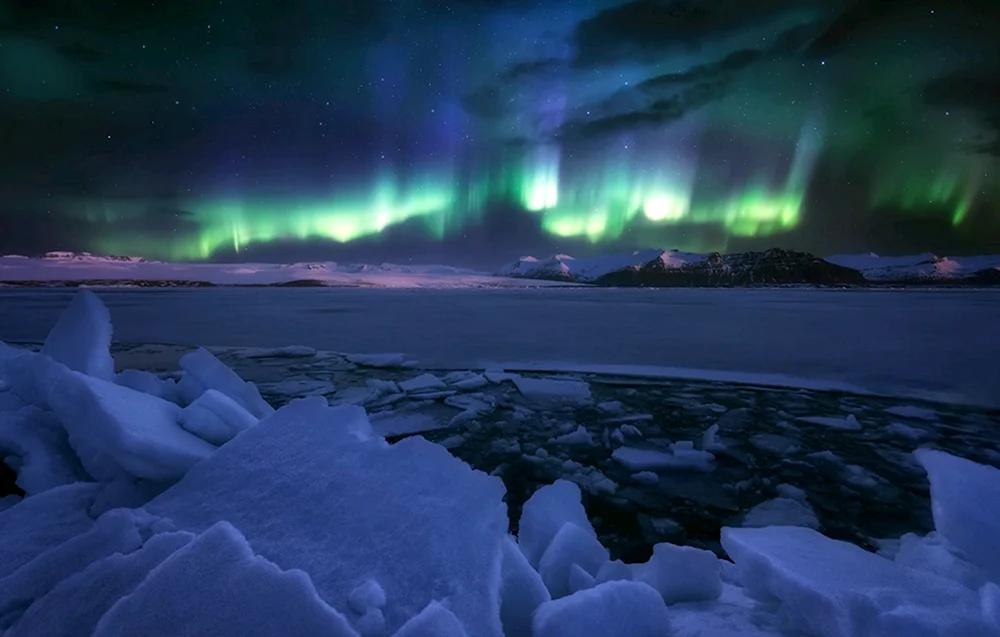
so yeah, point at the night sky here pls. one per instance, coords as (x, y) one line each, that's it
(473, 131)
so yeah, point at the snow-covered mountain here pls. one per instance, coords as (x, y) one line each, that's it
(921, 268)
(74, 269)
(563, 267)
(676, 268)
(770, 267)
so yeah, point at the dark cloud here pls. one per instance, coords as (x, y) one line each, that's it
(644, 29)
(532, 68)
(978, 93)
(865, 18)
(127, 87)
(663, 99)
(487, 102)
(710, 72)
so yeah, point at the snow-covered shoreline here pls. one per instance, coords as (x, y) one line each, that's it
(192, 507)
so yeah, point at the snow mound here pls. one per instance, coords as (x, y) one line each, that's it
(81, 338)
(74, 607)
(270, 482)
(191, 593)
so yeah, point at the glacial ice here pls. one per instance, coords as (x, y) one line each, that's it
(545, 513)
(965, 497)
(831, 588)
(81, 338)
(215, 417)
(202, 371)
(120, 433)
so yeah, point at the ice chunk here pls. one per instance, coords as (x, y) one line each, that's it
(710, 440)
(613, 571)
(612, 609)
(545, 512)
(904, 431)
(81, 338)
(497, 376)
(291, 351)
(204, 371)
(963, 500)
(114, 532)
(646, 477)
(433, 621)
(580, 579)
(831, 588)
(850, 423)
(466, 381)
(424, 382)
(521, 590)
(682, 573)
(39, 442)
(934, 554)
(378, 360)
(217, 586)
(610, 407)
(367, 594)
(579, 436)
(73, 608)
(272, 479)
(774, 443)
(44, 521)
(401, 423)
(781, 512)
(571, 545)
(791, 491)
(147, 383)
(550, 390)
(215, 417)
(912, 412)
(118, 432)
(642, 459)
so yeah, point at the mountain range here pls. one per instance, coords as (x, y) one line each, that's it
(671, 268)
(643, 268)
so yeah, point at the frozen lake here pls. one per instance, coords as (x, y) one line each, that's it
(936, 343)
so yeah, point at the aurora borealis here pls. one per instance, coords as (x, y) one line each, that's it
(474, 131)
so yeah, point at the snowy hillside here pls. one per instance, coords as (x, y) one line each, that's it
(676, 268)
(155, 506)
(918, 267)
(66, 268)
(670, 268)
(588, 270)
